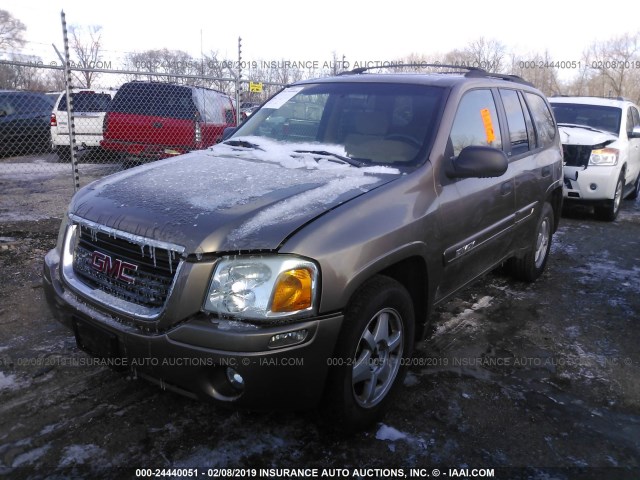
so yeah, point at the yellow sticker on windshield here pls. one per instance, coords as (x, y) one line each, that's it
(488, 125)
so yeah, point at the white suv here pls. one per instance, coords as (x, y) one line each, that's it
(89, 107)
(601, 145)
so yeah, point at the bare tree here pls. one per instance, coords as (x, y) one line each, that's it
(23, 77)
(615, 61)
(165, 65)
(538, 69)
(488, 54)
(11, 31)
(88, 51)
(610, 69)
(481, 53)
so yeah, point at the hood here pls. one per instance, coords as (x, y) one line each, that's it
(225, 198)
(583, 135)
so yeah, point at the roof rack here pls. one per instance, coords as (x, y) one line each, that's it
(470, 72)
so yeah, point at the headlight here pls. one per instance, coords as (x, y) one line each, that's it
(604, 156)
(262, 287)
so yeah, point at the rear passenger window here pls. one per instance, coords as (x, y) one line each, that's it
(543, 119)
(515, 122)
(476, 122)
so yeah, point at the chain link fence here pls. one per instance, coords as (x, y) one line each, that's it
(124, 119)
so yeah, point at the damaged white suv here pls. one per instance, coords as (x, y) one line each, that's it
(601, 145)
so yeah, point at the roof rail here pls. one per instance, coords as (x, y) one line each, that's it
(471, 72)
(357, 71)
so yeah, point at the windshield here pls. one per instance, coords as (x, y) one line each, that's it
(599, 117)
(366, 123)
(87, 102)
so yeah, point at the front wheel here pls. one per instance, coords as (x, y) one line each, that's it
(369, 362)
(610, 210)
(529, 267)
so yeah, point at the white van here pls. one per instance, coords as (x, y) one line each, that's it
(89, 107)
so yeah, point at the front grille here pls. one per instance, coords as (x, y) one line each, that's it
(134, 272)
(576, 155)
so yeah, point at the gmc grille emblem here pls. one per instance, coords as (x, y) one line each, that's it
(114, 268)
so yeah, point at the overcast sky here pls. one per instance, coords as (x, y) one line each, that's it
(303, 30)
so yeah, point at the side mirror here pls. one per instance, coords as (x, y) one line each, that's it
(478, 162)
(227, 132)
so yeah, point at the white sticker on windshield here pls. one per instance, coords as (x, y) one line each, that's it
(283, 97)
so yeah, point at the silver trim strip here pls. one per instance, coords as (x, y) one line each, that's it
(139, 239)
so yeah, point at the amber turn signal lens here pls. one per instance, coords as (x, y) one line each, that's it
(292, 291)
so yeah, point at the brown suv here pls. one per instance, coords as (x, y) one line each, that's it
(299, 260)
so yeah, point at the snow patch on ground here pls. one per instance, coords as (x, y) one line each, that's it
(468, 319)
(390, 434)
(30, 457)
(9, 382)
(80, 455)
(231, 453)
(601, 269)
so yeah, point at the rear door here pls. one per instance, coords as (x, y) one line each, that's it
(476, 215)
(531, 128)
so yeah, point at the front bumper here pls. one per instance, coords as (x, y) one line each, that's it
(144, 151)
(603, 178)
(194, 356)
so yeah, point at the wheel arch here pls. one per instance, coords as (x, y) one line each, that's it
(409, 268)
(555, 197)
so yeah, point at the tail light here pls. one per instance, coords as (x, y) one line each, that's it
(105, 121)
(54, 120)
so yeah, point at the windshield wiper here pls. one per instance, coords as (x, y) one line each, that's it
(587, 127)
(243, 143)
(334, 157)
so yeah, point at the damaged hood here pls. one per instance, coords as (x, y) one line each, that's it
(226, 198)
(584, 135)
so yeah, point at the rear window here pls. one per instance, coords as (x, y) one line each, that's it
(542, 118)
(212, 106)
(155, 100)
(24, 103)
(87, 102)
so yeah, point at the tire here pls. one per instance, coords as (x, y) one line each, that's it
(378, 333)
(636, 189)
(64, 154)
(529, 267)
(609, 211)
